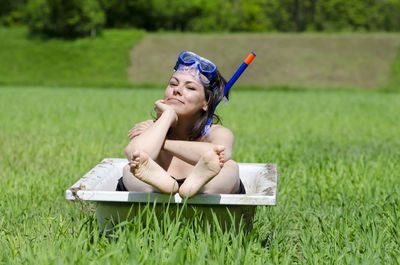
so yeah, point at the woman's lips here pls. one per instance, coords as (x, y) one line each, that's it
(175, 100)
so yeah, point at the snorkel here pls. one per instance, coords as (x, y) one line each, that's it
(228, 86)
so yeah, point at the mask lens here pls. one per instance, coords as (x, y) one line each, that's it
(206, 67)
(188, 58)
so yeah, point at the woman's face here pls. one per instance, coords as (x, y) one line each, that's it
(185, 93)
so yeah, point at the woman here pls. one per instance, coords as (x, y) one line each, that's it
(178, 152)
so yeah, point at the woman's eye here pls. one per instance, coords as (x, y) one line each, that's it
(191, 88)
(173, 84)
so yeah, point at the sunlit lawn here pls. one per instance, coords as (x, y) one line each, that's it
(338, 194)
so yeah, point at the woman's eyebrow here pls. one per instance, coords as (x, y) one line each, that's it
(190, 82)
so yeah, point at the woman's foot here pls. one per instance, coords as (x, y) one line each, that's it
(220, 151)
(208, 167)
(148, 171)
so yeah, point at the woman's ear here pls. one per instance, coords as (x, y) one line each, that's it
(205, 107)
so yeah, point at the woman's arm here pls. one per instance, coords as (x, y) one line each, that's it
(139, 128)
(152, 139)
(191, 151)
(188, 151)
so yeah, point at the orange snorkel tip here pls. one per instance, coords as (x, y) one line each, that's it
(250, 58)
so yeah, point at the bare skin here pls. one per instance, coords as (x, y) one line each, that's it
(148, 171)
(205, 164)
(208, 167)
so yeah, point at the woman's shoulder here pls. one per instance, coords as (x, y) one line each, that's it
(218, 131)
(217, 128)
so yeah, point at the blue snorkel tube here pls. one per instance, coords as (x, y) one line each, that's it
(228, 86)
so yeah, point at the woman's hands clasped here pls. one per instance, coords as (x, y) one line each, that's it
(139, 128)
(160, 107)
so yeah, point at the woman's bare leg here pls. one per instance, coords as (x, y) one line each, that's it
(132, 183)
(145, 175)
(226, 182)
(205, 170)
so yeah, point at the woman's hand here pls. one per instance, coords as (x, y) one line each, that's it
(160, 107)
(139, 128)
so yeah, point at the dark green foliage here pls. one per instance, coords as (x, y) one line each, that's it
(86, 17)
(255, 15)
(12, 12)
(64, 19)
(150, 15)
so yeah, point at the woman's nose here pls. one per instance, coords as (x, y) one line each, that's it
(178, 89)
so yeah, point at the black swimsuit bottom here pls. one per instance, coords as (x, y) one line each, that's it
(121, 186)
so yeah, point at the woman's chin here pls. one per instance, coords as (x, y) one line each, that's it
(172, 104)
(180, 111)
(177, 109)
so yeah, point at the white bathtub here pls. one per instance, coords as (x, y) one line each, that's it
(98, 185)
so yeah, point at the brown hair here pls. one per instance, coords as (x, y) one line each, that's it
(214, 92)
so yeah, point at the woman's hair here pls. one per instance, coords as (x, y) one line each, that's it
(214, 92)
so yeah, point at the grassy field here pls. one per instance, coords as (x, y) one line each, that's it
(338, 197)
(99, 62)
(124, 58)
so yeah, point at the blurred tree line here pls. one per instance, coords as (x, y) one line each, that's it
(73, 18)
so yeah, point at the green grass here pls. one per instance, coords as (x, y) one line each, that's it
(118, 59)
(99, 62)
(338, 197)
(394, 84)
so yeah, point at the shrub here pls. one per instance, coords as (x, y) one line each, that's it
(12, 12)
(64, 19)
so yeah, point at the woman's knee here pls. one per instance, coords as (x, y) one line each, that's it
(232, 164)
(126, 170)
(134, 184)
(227, 180)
